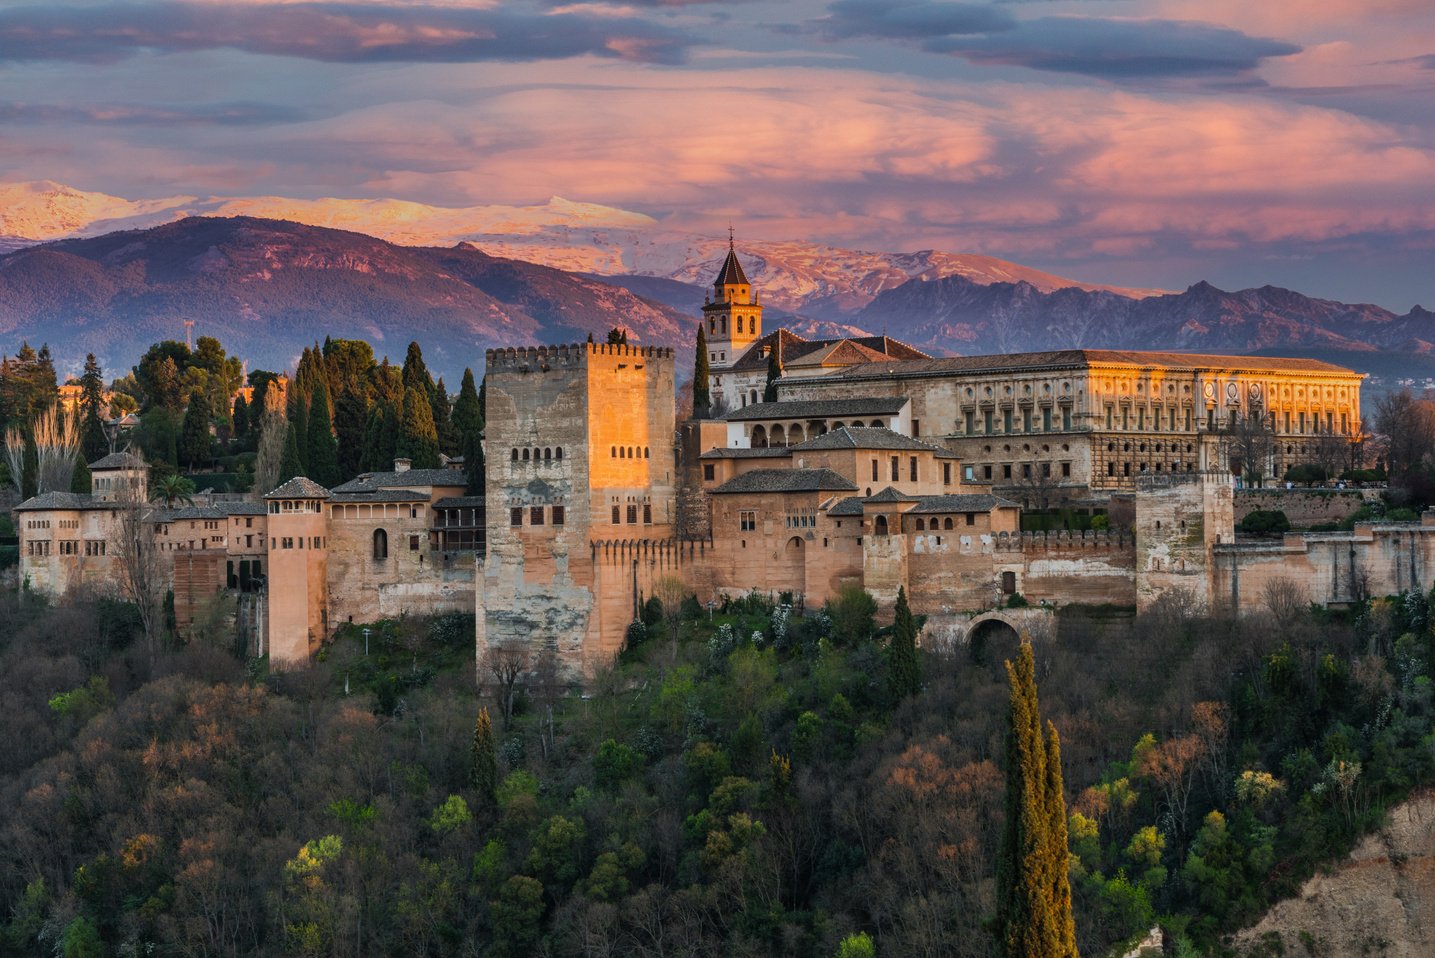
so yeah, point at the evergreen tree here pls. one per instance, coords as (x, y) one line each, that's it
(467, 415)
(291, 464)
(351, 414)
(299, 429)
(94, 444)
(323, 458)
(485, 759)
(449, 440)
(905, 668)
(194, 433)
(80, 479)
(702, 396)
(240, 417)
(774, 373)
(416, 373)
(418, 439)
(1033, 917)
(473, 463)
(380, 438)
(617, 336)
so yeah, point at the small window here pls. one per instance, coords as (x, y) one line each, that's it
(947, 522)
(1008, 583)
(971, 518)
(557, 515)
(515, 517)
(535, 516)
(709, 472)
(632, 515)
(547, 455)
(525, 455)
(875, 477)
(747, 521)
(946, 473)
(413, 543)
(616, 517)
(647, 514)
(645, 453)
(912, 468)
(515, 455)
(558, 453)
(896, 469)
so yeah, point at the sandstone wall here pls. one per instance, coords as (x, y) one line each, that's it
(1304, 507)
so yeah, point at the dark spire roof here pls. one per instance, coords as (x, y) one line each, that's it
(731, 273)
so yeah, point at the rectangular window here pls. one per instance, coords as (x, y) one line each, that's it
(1066, 470)
(1046, 419)
(912, 468)
(709, 472)
(1141, 418)
(535, 515)
(986, 472)
(916, 427)
(1006, 470)
(987, 421)
(946, 473)
(1109, 413)
(515, 517)
(1125, 417)
(874, 470)
(647, 514)
(1302, 423)
(1065, 417)
(632, 515)
(1006, 421)
(616, 517)
(971, 518)
(968, 421)
(1111, 468)
(557, 515)
(413, 543)
(1026, 420)
(747, 521)
(896, 469)
(1026, 470)
(287, 542)
(1046, 470)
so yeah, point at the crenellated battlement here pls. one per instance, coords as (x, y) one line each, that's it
(571, 355)
(607, 551)
(1063, 541)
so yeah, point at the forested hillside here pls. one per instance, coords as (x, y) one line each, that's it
(756, 782)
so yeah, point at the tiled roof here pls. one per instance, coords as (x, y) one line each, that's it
(369, 481)
(761, 452)
(731, 272)
(850, 506)
(865, 437)
(1076, 359)
(787, 480)
(891, 495)
(819, 408)
(64, 500)
(246, 508)
(978, 502)
(795, 351)
(117, 460)
(460, 502)
(381, 495)
(299, 488)
(190, 512)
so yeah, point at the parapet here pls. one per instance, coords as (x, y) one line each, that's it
(1085, 539)
(528, 358)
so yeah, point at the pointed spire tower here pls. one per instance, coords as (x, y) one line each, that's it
(732, 313)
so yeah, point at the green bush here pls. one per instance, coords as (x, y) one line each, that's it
(1265, 522)
(1307, 474)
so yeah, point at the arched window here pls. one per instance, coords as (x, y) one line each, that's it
(613, 452)
(558, 453)
(646, 454)
(381, 544)
(515, 455)
(778, 437)
(947, 523)
(880, 527)
(525, 455)
(921, 525)
(759, 437)
(794, 544)
(547, 455)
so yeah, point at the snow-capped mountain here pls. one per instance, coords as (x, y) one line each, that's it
(813, 280)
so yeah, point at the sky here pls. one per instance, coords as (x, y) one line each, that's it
(1149, 143)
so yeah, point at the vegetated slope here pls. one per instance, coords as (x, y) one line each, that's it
(266, 288)
(1379, 901)
(746, 785)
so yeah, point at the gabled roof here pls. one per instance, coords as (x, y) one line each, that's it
(731, 273)
(460, 502)
(850, 506)
(787, 480)
(976, 502)
(819, 408)
(299, 488)
(795, 351)
(865, 437)
(117, 460)
(891, 495)
(64, 500)
(844, 352)
(381, 495)
(369, 481)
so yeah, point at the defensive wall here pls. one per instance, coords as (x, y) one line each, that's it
(1304, 507)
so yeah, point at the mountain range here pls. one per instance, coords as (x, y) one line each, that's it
(464, 280)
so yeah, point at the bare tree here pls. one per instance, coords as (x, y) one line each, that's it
(1286, 600)
(272, 427)
(1248, 446)
(57, 444)
(1038, 486)
(141, 576)
(671, 590)
(1407, 427)
(1333, 452)
(15, 457)
(506, 663)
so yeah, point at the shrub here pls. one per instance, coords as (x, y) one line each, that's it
(1265, 522)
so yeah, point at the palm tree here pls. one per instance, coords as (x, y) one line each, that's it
(171, 489)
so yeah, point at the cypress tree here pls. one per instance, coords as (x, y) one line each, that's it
(323, 447)
(485, 759)
(418, 439)
(904, 665)
(1033, 917)
(449, 439)
(240, 417)
(467, 414)
(81, 480)
(299, 429)
(194, 433)
(702, 396)
(291, 464)
(774, 373)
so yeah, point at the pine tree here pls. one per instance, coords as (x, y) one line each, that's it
(485, 759)
(418, 439)
(904, 666)
(94, 444)
(323, 459)
(1033, 917)
(194, 433)
(702, 396)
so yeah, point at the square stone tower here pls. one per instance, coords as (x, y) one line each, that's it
(579, 445)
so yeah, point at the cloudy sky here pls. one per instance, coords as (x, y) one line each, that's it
(1145, 142)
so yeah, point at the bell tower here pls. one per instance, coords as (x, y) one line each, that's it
(732, 313)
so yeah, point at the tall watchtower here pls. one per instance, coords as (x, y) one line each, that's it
(732, 313)
(298, 553)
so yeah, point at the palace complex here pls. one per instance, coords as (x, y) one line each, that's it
(875, 466)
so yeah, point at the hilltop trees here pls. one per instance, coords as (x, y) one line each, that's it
(1033, 917)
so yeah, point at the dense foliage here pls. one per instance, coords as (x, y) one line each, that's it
(759, 787)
